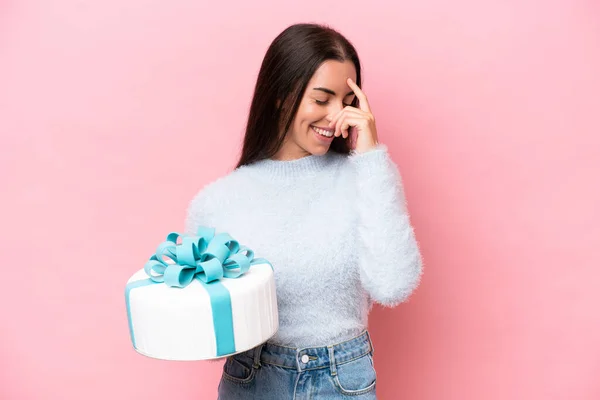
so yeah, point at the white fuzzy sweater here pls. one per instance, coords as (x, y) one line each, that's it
(335, 228)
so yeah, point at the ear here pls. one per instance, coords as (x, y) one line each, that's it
(278, 103)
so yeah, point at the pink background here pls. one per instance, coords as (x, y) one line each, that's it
(114, 114)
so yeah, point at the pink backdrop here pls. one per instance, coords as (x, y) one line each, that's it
(113, 114)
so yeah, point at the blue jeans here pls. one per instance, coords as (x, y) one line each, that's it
(271, 372)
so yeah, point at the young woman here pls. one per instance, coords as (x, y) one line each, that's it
(317, 195)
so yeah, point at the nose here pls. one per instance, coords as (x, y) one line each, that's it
(334, 109)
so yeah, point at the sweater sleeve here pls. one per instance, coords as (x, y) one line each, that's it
(197, 213)
(389, 256)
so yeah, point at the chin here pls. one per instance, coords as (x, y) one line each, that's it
(319, 151)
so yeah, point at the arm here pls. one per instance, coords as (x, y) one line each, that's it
(197, 213)
(389, 257)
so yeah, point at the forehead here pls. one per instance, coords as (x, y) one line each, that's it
(332, 74)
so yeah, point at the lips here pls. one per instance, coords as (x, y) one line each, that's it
(320, 131)
(323, 139)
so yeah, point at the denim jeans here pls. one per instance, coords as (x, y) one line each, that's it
(272, 372)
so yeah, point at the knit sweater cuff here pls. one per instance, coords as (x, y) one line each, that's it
(372, 162)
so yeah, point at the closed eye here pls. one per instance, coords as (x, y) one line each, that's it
(322, 103)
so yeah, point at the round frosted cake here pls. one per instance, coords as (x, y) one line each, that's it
(195, 322)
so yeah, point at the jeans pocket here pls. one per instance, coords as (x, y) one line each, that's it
(357, 376)
(238, 368)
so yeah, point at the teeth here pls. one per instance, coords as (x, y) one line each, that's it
(323, 132)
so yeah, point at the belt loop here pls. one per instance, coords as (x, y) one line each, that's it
(332, 365)
(257, 352)
(370, 342)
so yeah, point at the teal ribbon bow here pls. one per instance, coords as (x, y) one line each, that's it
(208, 258)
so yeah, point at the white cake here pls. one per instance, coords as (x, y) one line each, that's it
(202, 321)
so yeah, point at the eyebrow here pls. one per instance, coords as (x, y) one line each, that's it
(331, 91)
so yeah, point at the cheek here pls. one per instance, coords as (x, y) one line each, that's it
(312, 113)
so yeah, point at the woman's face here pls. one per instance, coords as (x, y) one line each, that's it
(327, 93)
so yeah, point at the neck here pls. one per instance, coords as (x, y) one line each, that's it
(296, 168)
(290, 151)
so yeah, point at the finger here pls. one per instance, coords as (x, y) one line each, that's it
(350, 122)
(348, 110)
(338, 125)
(345, 129)
(335, 118)
(345, 123)
(362, 98)
(341, 126)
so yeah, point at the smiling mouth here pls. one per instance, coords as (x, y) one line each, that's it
(328, 133)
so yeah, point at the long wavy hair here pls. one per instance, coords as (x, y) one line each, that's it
(289, 64)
